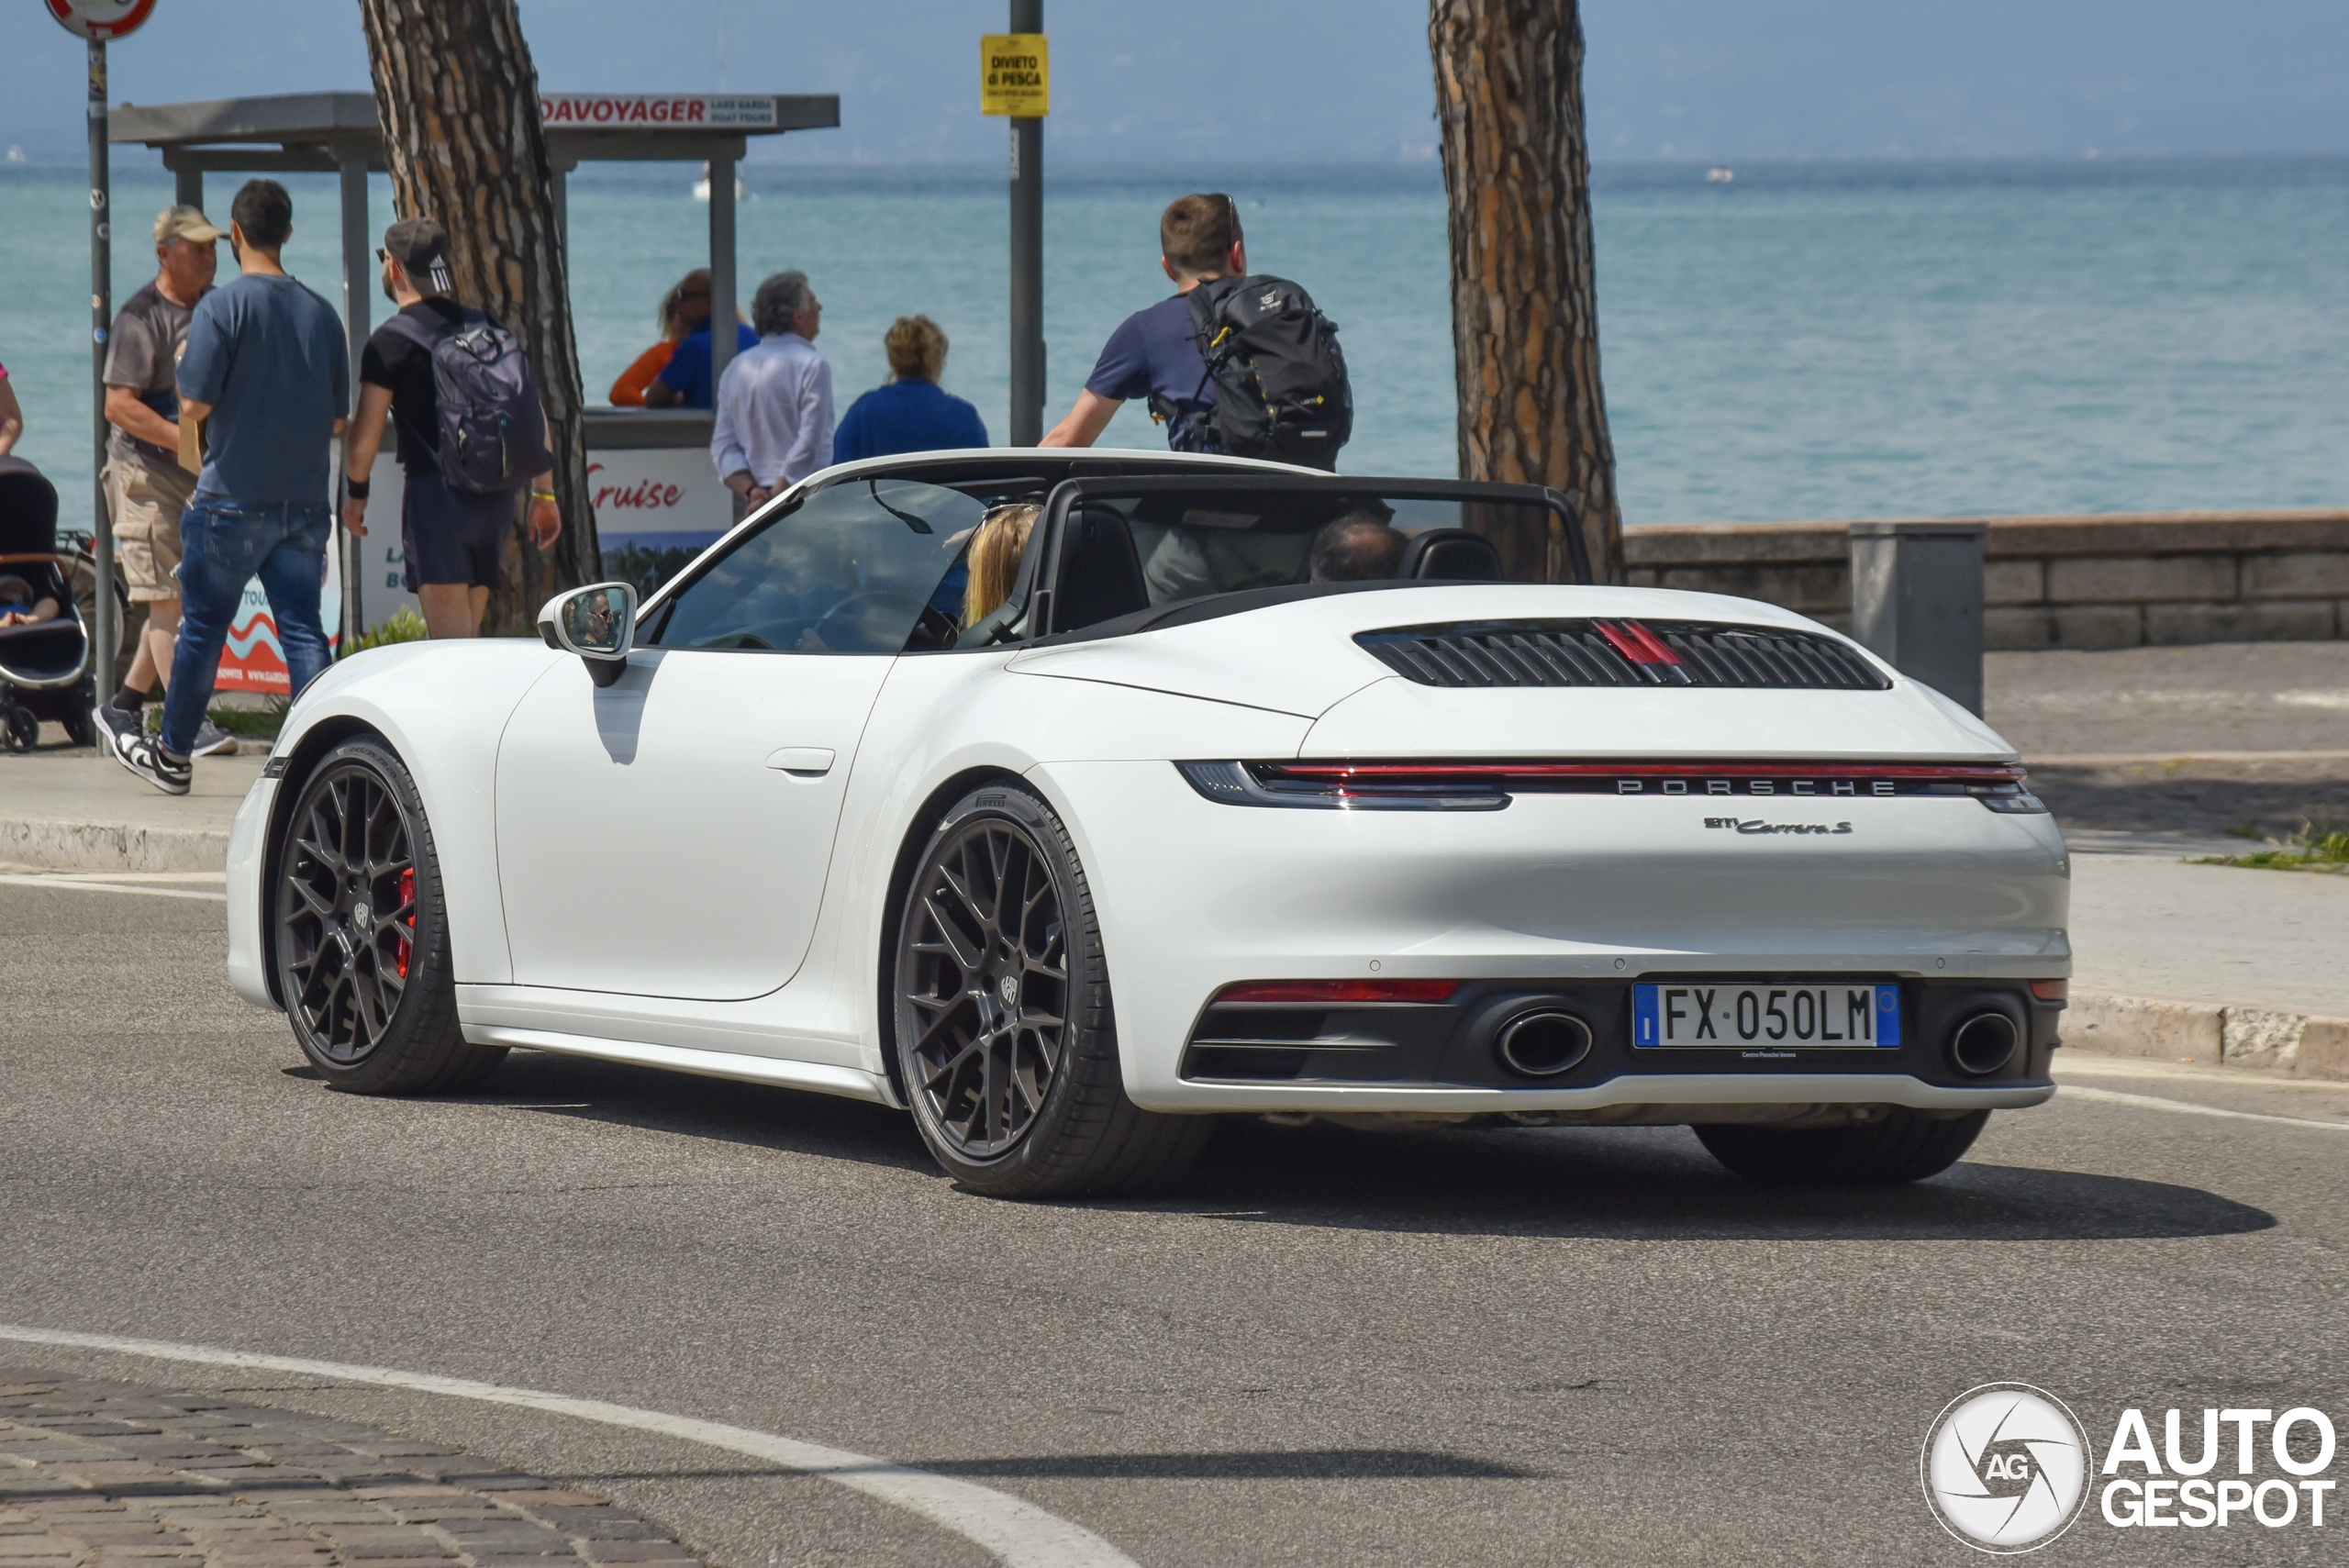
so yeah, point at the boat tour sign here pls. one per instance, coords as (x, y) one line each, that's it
(1015, 76)
(659, 111)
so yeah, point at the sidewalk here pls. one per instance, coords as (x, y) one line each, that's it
(78, 810)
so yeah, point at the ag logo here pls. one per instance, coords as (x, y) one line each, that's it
(2004, 1467)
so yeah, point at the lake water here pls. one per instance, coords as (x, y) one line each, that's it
(1830, 340)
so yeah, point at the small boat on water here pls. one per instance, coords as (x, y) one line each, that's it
(701, 186)
(1721, 174)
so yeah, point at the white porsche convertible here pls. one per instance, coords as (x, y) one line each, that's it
(1151, 820)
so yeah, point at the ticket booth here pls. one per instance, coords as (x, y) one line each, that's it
(650, 479)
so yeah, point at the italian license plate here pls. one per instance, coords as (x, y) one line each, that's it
(1711, 1015)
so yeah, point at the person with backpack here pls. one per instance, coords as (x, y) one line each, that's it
(471, 433)
(264, 373)
(1233, 362)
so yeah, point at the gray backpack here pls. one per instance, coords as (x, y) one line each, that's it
(492, 434)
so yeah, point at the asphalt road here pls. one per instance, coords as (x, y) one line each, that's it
(1337, 1348)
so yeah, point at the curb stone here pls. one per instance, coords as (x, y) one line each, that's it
(2208, 1034)
(111, 846)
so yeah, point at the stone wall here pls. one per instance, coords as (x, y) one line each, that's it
(2112, 580)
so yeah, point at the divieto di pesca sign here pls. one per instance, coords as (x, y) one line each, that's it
(656, 111)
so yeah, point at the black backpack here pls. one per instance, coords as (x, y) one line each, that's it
(1280, 378)
(493, 433)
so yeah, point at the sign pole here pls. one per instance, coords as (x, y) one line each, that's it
(108, 633)
(1027, 254)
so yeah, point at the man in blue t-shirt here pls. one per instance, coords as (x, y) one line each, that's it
(912, 413)
(267, 374)
(685, 382)
(1154, 352)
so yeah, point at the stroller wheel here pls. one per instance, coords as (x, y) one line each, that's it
(23, 728)
(79, 727)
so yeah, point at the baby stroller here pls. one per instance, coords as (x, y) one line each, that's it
(45, 666)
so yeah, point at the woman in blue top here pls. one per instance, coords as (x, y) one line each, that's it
(910, 414)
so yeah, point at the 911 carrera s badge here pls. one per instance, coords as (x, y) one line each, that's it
(1755, 825)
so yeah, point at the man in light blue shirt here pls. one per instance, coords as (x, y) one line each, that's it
(775, 402)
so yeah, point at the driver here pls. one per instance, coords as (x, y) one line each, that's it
(1359, 547)
(994, 558)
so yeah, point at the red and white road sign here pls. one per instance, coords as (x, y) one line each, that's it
(101, 18)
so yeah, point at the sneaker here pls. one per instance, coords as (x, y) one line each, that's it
(211, 740)
(144, 755)
(118, 724)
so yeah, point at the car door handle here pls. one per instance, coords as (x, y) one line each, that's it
(807, 762)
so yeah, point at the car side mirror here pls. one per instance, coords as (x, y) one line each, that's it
(597, 622)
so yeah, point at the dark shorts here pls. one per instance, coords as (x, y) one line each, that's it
(451, 538)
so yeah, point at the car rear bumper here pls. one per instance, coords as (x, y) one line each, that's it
(1575, 894)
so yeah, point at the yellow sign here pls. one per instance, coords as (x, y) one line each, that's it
(1015, 76)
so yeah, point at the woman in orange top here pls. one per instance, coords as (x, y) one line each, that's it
(684, 308)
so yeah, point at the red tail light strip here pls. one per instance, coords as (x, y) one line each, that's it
(1533, 772)
(1336, 991)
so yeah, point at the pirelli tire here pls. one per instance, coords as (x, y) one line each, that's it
(1005, 1036)
(1902, 1146)
(360, 933)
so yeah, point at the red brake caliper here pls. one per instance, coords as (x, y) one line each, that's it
(407, 902)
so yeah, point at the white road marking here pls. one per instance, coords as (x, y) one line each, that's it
(89, 887)
(1017, 1531)
(2186, 1107)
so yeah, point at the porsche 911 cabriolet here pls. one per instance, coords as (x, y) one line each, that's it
(1070, 801)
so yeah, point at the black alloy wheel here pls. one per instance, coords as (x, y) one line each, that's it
(1898, 1147)
(361, 943)
(1004, 1037)
(988, 987)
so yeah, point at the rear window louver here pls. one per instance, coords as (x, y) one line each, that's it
(1619, 653)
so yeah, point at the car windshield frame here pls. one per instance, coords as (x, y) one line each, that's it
(1041, 566)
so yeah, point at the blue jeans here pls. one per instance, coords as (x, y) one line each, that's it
(223, 544)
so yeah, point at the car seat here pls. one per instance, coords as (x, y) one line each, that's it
(1454, 554)
(1100, 577)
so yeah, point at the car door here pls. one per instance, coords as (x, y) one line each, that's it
(670, 835)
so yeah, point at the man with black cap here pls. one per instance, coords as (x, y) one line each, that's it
(453, 538)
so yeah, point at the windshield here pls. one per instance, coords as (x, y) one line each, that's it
(869, 566)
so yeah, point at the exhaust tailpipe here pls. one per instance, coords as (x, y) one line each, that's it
(1542, 1044)
(1983, 1043)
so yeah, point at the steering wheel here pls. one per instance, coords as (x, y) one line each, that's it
(863, 607)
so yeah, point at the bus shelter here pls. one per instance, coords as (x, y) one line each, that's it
(651, 481)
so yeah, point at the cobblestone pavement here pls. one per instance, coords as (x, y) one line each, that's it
(101, 1474)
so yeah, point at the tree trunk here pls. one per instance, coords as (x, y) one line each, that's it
(1524, 310)
(459, 102)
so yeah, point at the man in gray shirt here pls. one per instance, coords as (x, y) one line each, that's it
(146, 487)
(267, 372)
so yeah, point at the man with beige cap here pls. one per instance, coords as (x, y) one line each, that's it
(146, 487)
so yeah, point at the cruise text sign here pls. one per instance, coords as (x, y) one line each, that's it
(657, 111)
(1015, 76)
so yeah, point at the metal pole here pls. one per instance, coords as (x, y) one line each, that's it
(187, 187)
(1026, 257)
(721, 270)
(108, 633)
(357, 275)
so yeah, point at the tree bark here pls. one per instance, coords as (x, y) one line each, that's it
(459, 102)
(1524, 308)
